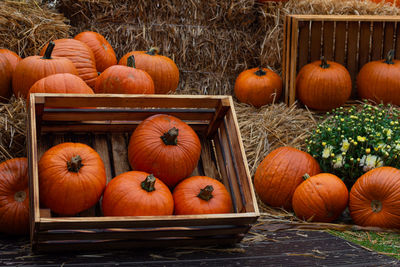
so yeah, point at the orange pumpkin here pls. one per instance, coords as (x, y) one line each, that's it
(323, 85)
(258, 87)
(12, 58)
(71, 178)
(392, 2)
(14, 196)
(163, 70)
(101, 48)
(320, 198)
(279, 174)
(33, 68)
(201, 195)
(165, 146)
(120, 79)
(375, 198)
(80, 55)
(6, 73)
(379, 80)
(137, 193)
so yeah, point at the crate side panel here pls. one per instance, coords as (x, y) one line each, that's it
(365, 44)
(377, 41)
(328, 39)
(340, 42)
(315, 41)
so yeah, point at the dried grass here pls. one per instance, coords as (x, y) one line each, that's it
(25, 26)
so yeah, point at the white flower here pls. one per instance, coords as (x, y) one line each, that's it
(326, 153)
(369, 162)
(345, 145)
(339, 161)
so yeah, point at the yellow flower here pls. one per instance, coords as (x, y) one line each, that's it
(338, 162)
(369, 162)
(327, 152)
(367, 150)
(345, 145)
(323, 143)
(361, 139)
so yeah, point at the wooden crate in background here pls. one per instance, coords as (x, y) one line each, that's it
(349, 40)
(106, 126)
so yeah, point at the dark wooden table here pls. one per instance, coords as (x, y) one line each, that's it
(258, 248)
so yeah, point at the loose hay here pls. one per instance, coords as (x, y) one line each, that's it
(25, 26)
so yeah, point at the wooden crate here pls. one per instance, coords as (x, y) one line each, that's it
(106, 126)
(349, 40)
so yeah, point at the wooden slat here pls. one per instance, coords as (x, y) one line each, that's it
(340, 42)
(328, 39)
(293, 63)
(364, 44)
(101, 147)
(346, 18)
(303, 44)
(397, 45)
(377, 40)
(315, 40)
(388, 42)
(287, 57)
(119, 153)
(352, 44)
(207, 161)
(216, 120)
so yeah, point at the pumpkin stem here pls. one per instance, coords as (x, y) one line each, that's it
(131, 61)
(148, 183)
(324, 63)
(260, 72)
(306, 176)
(376, 206)
(206, 193)
(75, 164)
(170, 138)
(390, 57)
(153, 51)
(49, 50)
(20, 196)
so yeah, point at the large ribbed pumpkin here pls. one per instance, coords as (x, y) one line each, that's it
(6, 73)
(379, 80)
(137, 193)
(12, 57)
(323, 85)
(72, 178)
(320, 198)
(14, 196)
(81, 56)
(165, 146)
(102, 50)
(33, 68)
(279, 174)
(121, 79)
(258, 87)
(375, 198)
(163, 70)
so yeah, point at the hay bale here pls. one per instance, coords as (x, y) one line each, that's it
(25, 26)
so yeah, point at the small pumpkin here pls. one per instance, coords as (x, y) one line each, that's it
(137, 193)
(165, 146)
(375, 198)
(379, 80)
(33, 68)
(72, 178)
(12, 57)
(80, 55)
(14, 196)
(6, 73)
(201, 195)
(320, 198)
(279, 174)
(101, 48)
(163, 70)
(258, 87)
(120, 79)
(323, 85)
(62, 83)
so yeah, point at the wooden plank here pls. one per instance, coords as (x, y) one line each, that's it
(216, 120)
(207, 161)
(350, 18)
(340, 42)
(328, 39)
(315, 40)
(377, 41)
(397, 45)
(303, 43)
(101, 147)
(119, 153)
(284, 51)
(364, 44)
(293, 63)
(352, 44)
(287, 59)
(388, 42)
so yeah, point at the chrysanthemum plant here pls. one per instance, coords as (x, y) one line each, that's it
(355, 140)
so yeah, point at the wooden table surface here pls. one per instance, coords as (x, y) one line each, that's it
(258, 248)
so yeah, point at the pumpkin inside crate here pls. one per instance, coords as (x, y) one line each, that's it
(106, 127)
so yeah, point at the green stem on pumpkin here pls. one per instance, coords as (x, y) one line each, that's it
(75, 164)
(206, 193)
(49, 50)
(260, 72)
(324, 63)
(130, 62)
(170, 138)
(390, 57)
(306, 176)
(148, 183)
(153, 51)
